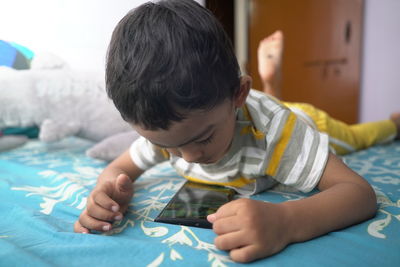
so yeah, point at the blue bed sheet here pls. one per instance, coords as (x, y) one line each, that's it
(43, 189)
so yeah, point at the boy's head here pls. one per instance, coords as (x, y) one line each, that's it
(167, 59)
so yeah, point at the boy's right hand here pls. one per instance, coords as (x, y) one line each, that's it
(106, 203)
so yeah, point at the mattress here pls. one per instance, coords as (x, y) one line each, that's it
(44, 188)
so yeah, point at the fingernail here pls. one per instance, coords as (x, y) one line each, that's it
(118, 218)
(106, 228)
(211, 218)
(114, 208)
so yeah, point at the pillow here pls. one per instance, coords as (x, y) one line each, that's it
(111, 147)
(18, 57)
(15, 56)
(8, 142)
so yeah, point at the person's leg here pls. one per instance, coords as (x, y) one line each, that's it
(345, 138)
(269, 62)
(395, 117)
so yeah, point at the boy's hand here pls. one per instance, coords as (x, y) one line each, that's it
(106, 203)
(250, 229)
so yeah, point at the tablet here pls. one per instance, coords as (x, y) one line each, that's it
(193, 202)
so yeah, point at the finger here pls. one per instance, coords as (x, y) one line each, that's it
(212, 218)
(91, 223)
(226, 225)
(103, 200)
(231, 241)
(246, 254)
(100, 213)
(78, 228)
(124, 183)
(124, 189)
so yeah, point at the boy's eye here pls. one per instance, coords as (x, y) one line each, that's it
(205, 141)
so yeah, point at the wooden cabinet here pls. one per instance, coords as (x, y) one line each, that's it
(322, 51)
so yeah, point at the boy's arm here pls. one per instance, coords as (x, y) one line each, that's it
(345, 199)
(252, 229)
(111, 196)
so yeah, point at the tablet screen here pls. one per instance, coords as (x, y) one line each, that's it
(193, 202)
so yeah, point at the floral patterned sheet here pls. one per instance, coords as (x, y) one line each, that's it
(43, 189)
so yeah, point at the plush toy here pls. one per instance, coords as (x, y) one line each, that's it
(46, 93)
(113, 146)
(63, 102)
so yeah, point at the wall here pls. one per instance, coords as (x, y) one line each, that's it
(380, 93)
(77, 30)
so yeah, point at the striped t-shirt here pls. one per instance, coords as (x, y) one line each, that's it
(270, 144)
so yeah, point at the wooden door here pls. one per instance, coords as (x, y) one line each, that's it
(322, 51)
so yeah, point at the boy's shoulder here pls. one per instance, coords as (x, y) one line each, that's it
(261, 109)
(263, 104)
(261, 99)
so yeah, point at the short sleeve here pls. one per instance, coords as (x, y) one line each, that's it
(145, 155)
(296, 153)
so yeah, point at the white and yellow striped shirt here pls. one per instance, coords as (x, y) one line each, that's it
(271, 144)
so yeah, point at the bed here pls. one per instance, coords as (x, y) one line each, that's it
(43, 189)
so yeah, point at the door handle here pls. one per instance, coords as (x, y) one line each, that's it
(347, 32)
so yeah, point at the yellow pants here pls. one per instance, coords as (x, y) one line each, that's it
(344, 138)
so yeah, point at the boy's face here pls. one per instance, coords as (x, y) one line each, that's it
(203, 137)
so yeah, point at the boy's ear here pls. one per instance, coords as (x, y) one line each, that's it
(242, 93)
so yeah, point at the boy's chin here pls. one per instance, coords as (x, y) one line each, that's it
(209, 161)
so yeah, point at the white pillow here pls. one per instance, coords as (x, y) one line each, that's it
(8, 142)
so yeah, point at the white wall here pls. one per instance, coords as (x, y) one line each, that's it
(380, 93)
(77, 30)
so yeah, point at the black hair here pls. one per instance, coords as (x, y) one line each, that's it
(168, 58)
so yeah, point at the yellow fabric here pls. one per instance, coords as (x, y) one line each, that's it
(164, 153)
(348, 138)
(238, 183)
(250, 129)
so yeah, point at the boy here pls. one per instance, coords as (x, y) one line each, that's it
(173, 75)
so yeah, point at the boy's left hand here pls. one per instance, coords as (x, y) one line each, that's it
(250, 229)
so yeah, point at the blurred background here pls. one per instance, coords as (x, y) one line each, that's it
(340, 55)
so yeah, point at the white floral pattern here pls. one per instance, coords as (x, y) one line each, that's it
(384, 172)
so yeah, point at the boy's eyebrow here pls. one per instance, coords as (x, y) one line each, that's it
(202, 134)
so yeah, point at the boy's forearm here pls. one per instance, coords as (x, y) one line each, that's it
(340, 206)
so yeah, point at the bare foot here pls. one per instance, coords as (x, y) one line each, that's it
(269, 61)
(395, 117)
